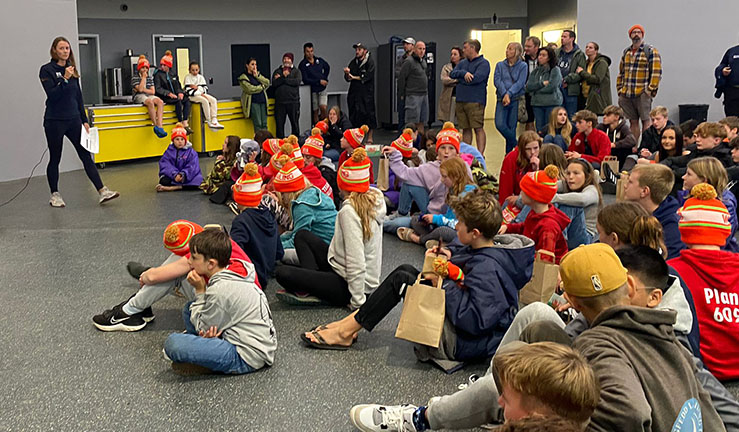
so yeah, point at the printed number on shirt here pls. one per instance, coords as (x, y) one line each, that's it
(727, 305)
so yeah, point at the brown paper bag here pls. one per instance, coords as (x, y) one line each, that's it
(424, 309)
(621, 185)
(611, 161)
(383, 174)
(543, 280)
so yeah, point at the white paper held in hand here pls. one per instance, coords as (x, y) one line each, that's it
(90, 141)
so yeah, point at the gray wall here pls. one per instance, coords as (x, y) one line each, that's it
(332, 40)
(691, 43)
(29, 27)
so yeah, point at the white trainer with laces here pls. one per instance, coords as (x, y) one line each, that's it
(380, 418)
(107, 194)
(56, 200)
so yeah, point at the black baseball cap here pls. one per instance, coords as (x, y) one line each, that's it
(359, 45)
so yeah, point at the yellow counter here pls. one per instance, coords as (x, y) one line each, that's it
(230, 115)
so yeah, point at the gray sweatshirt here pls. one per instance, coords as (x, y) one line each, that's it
(588, 199)
(412, 79)
(359, 262)
(237, 307)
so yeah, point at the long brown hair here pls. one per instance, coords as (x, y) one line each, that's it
(566, 131)
(552, 154)
(525, 138)
(365, 204)
(456, 169)
(72, 61)
(633, 225)
(233, 145)
(590, 178)
(711, 171)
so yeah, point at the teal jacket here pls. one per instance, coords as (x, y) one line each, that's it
(449, 219)
(313, 211)
(545, 95)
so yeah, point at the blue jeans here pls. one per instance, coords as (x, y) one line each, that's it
(410, 194)
(556, 139)
(332, 154)
(392, 226)
(569, 103)
(213, 353)
(506, 119)
(541, 115)
(576, 232)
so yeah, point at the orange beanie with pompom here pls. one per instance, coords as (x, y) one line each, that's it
(356, 136)
(179, 131)
(143, 62)
(178, 234)
(247, 190)
(404, 143)
(541, 186)
(167, 59)
(354, 173)
(313, 145)
(704, 219)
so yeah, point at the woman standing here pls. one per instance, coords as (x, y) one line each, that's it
(254, 95)
(510, 81)
(543, 85)
(449, 86)
(65, 116)
(596, 80)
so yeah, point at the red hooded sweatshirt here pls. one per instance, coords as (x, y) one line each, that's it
(713, 280)
(545, 230)
(313, 175)
(593, 148)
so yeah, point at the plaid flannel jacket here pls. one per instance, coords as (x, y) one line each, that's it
(638, 71)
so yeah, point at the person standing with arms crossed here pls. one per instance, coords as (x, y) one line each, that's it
(65, 116)
(473, 73)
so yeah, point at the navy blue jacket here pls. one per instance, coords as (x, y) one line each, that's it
(477, 89)
(730, 59)
(314, 73)
(666, 214)
(483, 308)
(255, 231)
(63, 97)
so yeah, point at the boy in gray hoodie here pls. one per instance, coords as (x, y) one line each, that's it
(229, 324)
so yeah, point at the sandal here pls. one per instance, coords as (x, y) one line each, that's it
(323, 327)
(297, 298)
(404, 233)
(321, 344)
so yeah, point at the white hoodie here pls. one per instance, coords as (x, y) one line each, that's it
(357, 261)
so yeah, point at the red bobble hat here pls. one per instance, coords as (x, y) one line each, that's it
(704, 219)
(247, 190)
(448, 135)
(289, 178)
(356, 135)
(541, 185)
(296, 155)
(167, 59)
(177, 236)
(179, 131)
(314, 144)
(143, 62)
(322, 126)
(354, 173)
(272, 145)
(287, 149)
(404, 143)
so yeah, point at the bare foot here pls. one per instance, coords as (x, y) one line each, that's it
(331, 336)
(161, 188)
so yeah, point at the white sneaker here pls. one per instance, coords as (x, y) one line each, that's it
(216, 124)
(107, 194)
(56, 200)
(391, 216)
(376, 418)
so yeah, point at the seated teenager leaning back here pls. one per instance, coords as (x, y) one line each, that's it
(482, 277)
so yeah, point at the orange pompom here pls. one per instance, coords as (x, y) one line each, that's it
(315, 131)
(407, 131)
(171, 234)
(364, 128)
(292, 139)
(359, 154)
(552, 171)
(142, 57)
(168, 53)
(703, 192)
(448, 125)
(287, 148)
(251, 169)
(283, 159)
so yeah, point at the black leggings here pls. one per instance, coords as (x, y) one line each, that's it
(425, 232)
(315, 275)
(55, 131)
(386, 296)
(168, 181)
(287, 110)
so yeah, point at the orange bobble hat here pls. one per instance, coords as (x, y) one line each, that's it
(295, 155)
(404, 143)
(322, 126)
(143, 62)
(354, 173)
(635, 27)
(704, 219)
(313, 145)
(179, 131)
(177, 236)
(356, 135)
(448, 135)
(289, 178)
(272, 145)
(541, 186)
(288, 150)
(167, 59)
(247, 190)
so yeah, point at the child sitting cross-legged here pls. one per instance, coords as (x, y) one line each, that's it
(429, 229)
(312, 152)
(545, 223)
(481, 279)
(230, 329)
(221, 172)
(179, 166)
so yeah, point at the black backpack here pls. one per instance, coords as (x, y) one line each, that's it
(330, 176)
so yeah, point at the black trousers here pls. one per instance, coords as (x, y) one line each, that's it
(386, 296)
(181, 107)
(55, 131)
(315, 275)
(731, 101)
(287, 110)
(621, 154)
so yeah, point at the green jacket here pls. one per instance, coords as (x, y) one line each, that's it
(600, 84)
(573, 79)
(248, 89)
(545, 95)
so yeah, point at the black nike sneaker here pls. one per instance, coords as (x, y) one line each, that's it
(147, 314)
(135, 269)
(117, 320)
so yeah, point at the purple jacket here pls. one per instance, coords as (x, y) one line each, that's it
(181, 161)
(427, 176)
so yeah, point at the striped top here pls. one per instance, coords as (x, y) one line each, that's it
(136, 80)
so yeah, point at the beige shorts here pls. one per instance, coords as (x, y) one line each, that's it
(469, 115)
(140, 98)
(636, 108)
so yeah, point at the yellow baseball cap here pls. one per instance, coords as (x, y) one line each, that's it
(591, 270)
